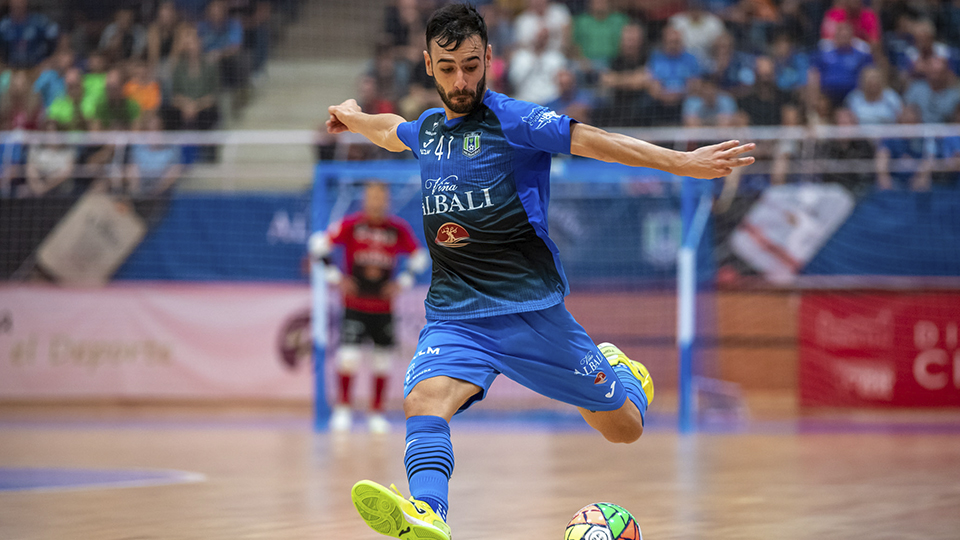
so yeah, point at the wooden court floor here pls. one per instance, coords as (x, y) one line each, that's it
(266, 475)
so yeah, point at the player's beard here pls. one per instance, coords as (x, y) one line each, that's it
(466, 106)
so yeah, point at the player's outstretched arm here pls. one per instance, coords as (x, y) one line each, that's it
(705, 162)
(381, 129)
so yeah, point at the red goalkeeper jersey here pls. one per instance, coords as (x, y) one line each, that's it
(371, 257)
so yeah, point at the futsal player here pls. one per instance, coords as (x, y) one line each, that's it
(495, 303)
(372, 240)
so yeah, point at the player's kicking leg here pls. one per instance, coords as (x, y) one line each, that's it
(626, 423)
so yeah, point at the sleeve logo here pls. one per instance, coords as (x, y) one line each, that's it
(452, 235)
(471, 144)
(540, 117)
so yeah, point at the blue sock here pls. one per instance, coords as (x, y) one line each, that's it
(633, 388)
(429, 461)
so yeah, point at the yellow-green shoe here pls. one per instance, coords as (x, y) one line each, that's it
(387, 512)
(615, 356)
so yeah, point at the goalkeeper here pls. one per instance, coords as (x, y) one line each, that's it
(372, 239)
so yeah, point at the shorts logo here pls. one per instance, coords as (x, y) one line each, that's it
(471, 144)
(600, 378)
(610, 393)
(452, 235)
(589, 365)
(540, 117)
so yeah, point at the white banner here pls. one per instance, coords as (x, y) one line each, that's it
(193, 341)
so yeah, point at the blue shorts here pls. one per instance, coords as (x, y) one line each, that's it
(547, 351)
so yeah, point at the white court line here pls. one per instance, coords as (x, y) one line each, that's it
(175, 477)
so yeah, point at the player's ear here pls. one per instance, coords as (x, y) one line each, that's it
(488, 58)
(426, 61)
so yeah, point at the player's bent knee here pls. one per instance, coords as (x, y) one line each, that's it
(624, 434)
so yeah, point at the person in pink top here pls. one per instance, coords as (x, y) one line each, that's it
(865, 22)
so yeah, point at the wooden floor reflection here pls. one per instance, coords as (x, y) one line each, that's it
(269, 476)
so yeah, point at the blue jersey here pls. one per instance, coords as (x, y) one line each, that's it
(485, 189)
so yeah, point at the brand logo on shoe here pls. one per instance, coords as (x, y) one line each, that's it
(601, 378)
(452, 235)
(404, 531)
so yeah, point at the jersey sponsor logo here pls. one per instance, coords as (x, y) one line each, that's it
(471, 144)
(456, 202)
(452, 235)
(540, 117)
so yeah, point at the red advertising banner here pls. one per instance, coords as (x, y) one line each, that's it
(879, 349)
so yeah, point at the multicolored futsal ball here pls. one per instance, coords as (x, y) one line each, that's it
(602, 521)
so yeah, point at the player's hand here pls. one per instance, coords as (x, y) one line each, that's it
(348, 286)
(718, 159)
(340, 114)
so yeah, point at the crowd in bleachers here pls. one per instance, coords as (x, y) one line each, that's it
(630, 63)
(109, 65)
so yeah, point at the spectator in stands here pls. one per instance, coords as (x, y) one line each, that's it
(391, 75)
(51, 83)
(698, 28)
(842, 151)
(790, 65)
(572, 100)
(795, 23)
(752, 22)
(916, 155)
(143, 87)
(67, 110)
(115, 112)
(26, 38)
(50, 167)
(732, 69)
(764, 104)
(404, 24)
(627, 80)
(533, 70)
(864, 22)
(123, 39)
(937, 95)
(154, 167)
(161, 36)
(873, 102)
(708, 106)
(94, 81)
(371, 98)
(596, 33)
(194, 87)
(539, 17)
(654, 14)
(499, 31)
(837, 65)
(920, 57)
(20, 108)
(672, 69)
(898, 38)
(949, 19)
(222, 39)
(257, 35)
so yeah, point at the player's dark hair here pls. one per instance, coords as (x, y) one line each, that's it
(453, 24)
